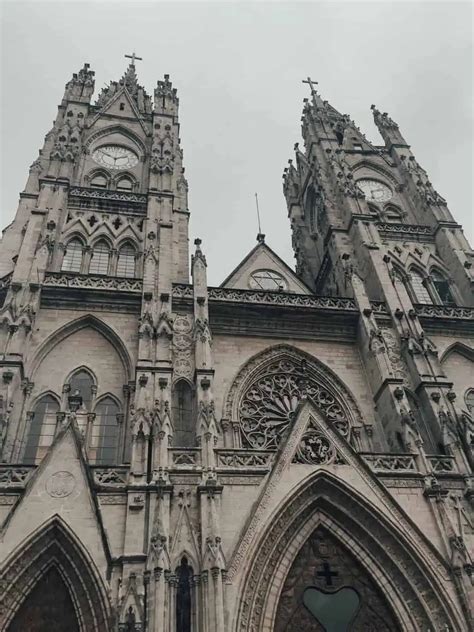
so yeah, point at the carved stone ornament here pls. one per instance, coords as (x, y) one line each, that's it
(315, 449)
(268, 404)
(60, 484)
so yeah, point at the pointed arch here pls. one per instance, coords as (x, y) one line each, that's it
(54, 545)
(375, 168)
(89, 320)
(409, 582)
(458, 347)
(301, 372)
(101, 134)
(73, 255)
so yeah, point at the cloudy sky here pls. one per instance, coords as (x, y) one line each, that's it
(238, 68)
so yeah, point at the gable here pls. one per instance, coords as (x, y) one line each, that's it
(261, 261)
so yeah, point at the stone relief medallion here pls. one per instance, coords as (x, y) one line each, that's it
(182, 324)
(60, 484)
(182, 341)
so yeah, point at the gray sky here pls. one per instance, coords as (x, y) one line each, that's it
(238, 69)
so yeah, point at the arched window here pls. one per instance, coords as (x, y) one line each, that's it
(105, 432)
(469, 399)
(42, 429)
(126, 261)
(182, 410)
(393, 215)
(124, 184)
(419, 290)
(72, 260)
(310, 209)
(99, 182)
(184, 573)
(82, 383)
(442, 288)
(100, 259)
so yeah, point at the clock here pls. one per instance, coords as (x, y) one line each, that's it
(267, 280)
(374, 190)
(115, 157)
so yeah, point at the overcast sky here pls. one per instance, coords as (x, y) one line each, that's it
(238, 69)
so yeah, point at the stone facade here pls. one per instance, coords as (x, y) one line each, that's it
(183, 458)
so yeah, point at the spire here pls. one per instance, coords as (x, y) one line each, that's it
(166, 100)
(129, 81)
(388, 128)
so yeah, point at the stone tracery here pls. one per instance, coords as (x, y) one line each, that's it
(271, 387)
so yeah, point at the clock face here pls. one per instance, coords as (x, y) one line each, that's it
(374, 190)
(267, 280)
(115, 157)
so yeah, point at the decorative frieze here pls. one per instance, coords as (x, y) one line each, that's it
(14, 476)
(405, 231)
(181, 457)
(72, 280)
(245, 458)
(110, 476)
(284, 299)
(445, 311)
(442, 464)
(391, 462)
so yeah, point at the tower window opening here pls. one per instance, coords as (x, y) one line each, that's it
(100, 259)
(124, 184)
(72, 260)
(99, 182)
(126, 261)
(442, 288)
(419, 289)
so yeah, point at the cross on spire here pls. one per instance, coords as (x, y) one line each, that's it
(133, 57)
(310, 82)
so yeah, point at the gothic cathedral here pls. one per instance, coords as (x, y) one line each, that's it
(287, 452)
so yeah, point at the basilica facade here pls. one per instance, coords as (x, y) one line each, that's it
(291, 451)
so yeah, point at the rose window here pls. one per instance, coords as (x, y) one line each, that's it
(268, 404)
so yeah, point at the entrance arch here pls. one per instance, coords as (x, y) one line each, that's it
(53, 555)
(406, 582)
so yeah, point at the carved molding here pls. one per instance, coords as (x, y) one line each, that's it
(284, 299)
(444, 311)
(71, 280)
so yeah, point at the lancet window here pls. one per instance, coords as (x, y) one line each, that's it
(41, 430)
(184, 575)
(82, 384)
(418, 286)
(183, 414)
(72, 261)
(442, 288)
(469, 399)
(105, 432)
(100, 259)
(126, 261)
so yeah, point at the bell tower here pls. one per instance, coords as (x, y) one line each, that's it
(368, 224)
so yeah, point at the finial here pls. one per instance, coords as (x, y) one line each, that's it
(197, 243)
(261, 238)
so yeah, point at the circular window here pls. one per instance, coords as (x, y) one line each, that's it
(267, 280)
